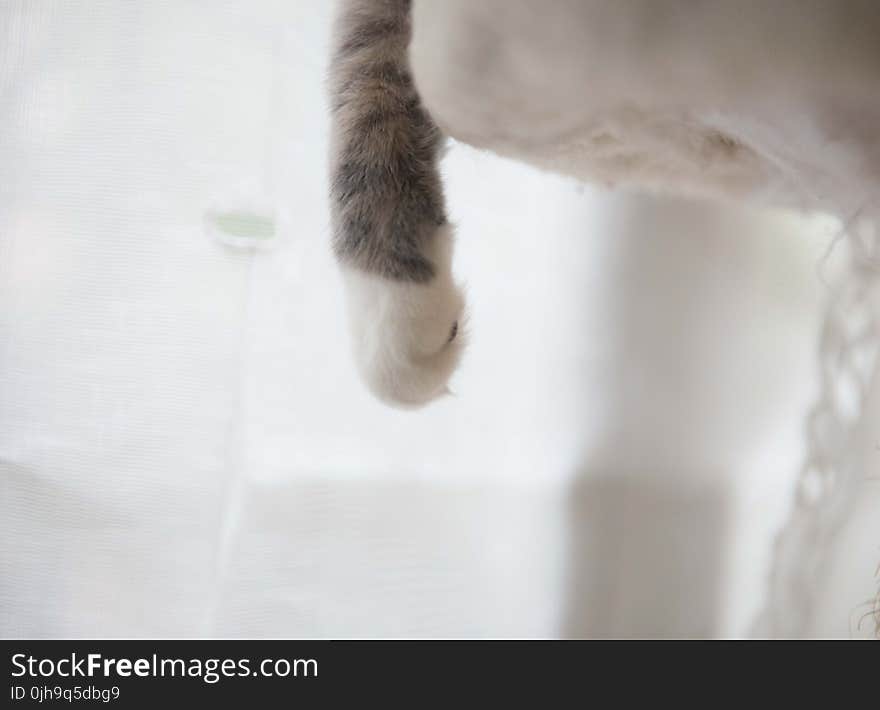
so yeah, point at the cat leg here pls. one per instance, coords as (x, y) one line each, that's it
(390, 232)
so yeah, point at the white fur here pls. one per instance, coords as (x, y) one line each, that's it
(401, 331)
(777, 102)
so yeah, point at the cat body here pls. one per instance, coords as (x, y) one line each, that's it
(776, 103)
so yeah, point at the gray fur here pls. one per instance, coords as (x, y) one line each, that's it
(386, 197)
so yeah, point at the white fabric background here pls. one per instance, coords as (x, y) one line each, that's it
(185, 449)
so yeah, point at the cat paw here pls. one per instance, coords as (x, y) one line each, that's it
(407, 337)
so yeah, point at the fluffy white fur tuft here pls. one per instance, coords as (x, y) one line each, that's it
(407, 337)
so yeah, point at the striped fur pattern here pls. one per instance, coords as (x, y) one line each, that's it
(386, 192)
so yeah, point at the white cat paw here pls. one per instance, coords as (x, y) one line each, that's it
(408, 338)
